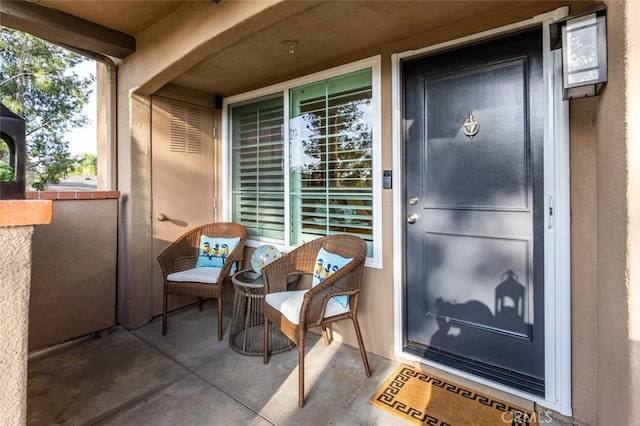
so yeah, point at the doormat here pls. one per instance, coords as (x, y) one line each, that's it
(423, 399)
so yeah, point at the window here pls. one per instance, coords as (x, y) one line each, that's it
(258, 168)
(304, 159)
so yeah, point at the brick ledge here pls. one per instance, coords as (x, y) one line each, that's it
(25, 212)
(72, 195)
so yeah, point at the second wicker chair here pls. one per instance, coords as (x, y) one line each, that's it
(312, 308)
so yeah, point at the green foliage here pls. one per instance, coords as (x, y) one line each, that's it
(6, 171)
(85, 165)
(37, 83)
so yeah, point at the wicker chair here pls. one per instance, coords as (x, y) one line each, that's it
(181, 256)
(312, 303)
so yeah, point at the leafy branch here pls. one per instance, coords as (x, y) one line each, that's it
(38, 83)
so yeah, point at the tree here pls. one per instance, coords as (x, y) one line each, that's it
(6, 171)
(37, 82)
(85, 165)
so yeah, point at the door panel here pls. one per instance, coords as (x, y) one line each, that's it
(182, 178)
(473, 162)
(484, 175)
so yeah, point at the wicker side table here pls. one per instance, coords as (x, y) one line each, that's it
(247, 321)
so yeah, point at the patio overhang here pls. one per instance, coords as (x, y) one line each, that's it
(66, 29)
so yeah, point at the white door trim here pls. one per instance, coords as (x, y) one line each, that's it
(557, 285)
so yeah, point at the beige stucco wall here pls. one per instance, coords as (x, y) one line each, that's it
(73, 273)
(584, 256)
(604, 214)
(617, 243)
(15, 276)
(632, 101)
(605, 205)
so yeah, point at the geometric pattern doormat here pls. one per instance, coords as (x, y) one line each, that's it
(423, 399)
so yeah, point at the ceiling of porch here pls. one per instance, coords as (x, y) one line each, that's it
(127, 16)
(327, 33)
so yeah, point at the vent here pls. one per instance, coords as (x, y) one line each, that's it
(185, 132)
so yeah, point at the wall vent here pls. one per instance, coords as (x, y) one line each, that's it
(185, 131)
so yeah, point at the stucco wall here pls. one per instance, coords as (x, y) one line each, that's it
(15, 276)
(584, 256)
(617, 115)
(632, 100)
(604, 234)
(73, 273)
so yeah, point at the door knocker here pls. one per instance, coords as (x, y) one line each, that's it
(471, 126)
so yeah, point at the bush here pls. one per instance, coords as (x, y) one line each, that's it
(6, 172)
(85, 165)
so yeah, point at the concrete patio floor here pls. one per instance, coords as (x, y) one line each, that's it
(188, 377)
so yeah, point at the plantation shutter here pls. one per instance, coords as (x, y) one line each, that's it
(331, 158)
(258, 168)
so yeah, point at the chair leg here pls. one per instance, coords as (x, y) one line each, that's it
(301, 373)
(164, 314)
(325, 335)
(265, 356)
(363, 353)
(200, 303)
(220, 333)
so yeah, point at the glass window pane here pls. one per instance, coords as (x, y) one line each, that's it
(331, 163)
(258, 168)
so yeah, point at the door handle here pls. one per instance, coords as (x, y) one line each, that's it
(412, 218)
(162, 217)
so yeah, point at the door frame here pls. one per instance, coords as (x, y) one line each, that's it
(557, 273)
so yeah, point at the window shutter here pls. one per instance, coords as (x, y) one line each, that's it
(332, 173)
(258, 168)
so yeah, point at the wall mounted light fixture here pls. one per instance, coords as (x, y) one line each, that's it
(583, 39)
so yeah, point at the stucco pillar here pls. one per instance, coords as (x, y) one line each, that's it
(135, 230)
(632, 117)
(617, 157)
(584, 260)
(106, 125)
(16, 229)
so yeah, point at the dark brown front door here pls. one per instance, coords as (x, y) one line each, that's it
(474, 205)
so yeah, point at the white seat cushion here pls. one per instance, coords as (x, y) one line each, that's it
(198, 275)
(290, 303)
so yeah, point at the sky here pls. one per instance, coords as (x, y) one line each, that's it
(83, 140)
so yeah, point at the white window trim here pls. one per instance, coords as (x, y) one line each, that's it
(283, 88)
(557, 237)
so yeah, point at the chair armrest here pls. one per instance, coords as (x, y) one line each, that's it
(182, 263)
(178, 249)
(170, 265)
(346, 281)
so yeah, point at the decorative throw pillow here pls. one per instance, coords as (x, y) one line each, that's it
(327, 264)
(213, 252)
